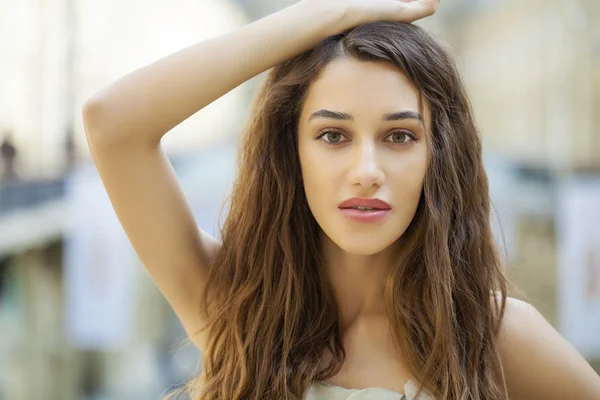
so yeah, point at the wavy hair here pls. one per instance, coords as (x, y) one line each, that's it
(270, 310)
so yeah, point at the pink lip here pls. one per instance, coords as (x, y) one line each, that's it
(365, 202)
(364, 216)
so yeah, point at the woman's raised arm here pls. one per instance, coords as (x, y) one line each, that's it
(125, 122)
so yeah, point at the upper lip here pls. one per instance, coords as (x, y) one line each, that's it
(372, 203)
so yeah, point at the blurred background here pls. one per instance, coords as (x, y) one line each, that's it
(80, 318)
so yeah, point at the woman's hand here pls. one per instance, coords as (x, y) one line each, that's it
(358, 12)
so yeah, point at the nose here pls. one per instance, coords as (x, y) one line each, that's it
(366, 170)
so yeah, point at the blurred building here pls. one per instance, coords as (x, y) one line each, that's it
(64, 51)
(532, 71)
(532, 68)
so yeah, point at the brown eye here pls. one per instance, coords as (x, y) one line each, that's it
(399, 136)
(331, 137)
(402, 138)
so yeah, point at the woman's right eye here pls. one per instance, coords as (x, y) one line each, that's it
(332, 137)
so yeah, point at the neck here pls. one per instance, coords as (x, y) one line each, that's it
(358, 280)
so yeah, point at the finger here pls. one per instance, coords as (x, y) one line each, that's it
(430, 4)
(416, 9)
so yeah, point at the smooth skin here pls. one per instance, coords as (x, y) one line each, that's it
(125, 122)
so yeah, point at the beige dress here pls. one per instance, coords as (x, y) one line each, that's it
(325, 391)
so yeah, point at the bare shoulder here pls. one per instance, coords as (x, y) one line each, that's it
(538, 362)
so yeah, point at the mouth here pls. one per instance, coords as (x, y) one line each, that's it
(364, 204)
(365, 210)
(361, 208)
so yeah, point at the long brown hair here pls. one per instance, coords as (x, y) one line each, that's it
(270, 310)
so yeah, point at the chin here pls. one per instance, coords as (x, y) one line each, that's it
(363, 244)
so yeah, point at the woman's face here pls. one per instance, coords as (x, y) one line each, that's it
(370, 143)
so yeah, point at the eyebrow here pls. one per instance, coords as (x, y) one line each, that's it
(338, 115)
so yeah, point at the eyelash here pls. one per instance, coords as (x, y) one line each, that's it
(407, 133)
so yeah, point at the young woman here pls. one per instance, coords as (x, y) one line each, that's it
(357, 260)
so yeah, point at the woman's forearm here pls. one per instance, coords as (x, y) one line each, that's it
(146, 103)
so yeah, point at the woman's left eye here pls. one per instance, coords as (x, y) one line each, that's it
(400, 135)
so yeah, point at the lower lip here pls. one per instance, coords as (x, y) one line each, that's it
(364, 216)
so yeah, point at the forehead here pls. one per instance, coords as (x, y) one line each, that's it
(362, 88)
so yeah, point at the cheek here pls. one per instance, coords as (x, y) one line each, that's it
(318, 166)
(321, 179)
(318, 177)
(406, 178)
